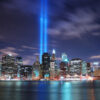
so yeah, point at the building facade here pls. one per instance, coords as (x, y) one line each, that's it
(9, 68)
(36, 73)
(75, 67)
(46, 65)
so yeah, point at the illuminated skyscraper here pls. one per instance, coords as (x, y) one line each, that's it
(19, 63)
(84, 68)
(36, 69)
(45, 65)
(89, 69)
(26, 72)
(53, 65)
(76, 66)
(43, 28)
(9, 67)
(64, 65)
(95, 66)
(53, 58)
(64, 58)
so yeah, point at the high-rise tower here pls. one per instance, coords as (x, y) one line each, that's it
(45, 65)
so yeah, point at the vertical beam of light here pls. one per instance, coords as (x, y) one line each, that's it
(41, 32)
(45, 27)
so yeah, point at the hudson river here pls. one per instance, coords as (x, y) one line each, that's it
(50, 90)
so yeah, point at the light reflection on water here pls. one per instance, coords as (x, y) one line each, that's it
(50, 90)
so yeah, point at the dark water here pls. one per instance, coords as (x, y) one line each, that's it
(50, 90)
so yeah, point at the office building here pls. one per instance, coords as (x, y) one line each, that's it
(45, 65)
(36, 73)
(19, 63)
(9, 68)
(26, 72)
(84, 68)
(89, 69)
(75, 66)
(64, 58)
(53, 66)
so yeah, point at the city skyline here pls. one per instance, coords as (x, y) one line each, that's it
(12, 68)
(73, 28)
(49, 49)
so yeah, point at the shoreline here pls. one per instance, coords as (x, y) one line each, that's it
(45, 80)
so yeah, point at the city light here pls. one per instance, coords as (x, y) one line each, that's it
(10, 54)
(54, 51)
(45, 23)
(36, 73)
(96, 63)
(74, 70)
(41, 31)
(43, 28)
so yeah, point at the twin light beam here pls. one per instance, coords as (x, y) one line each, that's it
(43, 28)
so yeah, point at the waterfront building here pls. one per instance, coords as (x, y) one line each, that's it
(64, 58)
(96, 73)
(64, 68)
(19, 63)
(95, 66)
(26, 72)
(75, 66)
(53, 66)
(9, 68)
(89, 69)
(84, 68)
(45, 65)
(36, 73)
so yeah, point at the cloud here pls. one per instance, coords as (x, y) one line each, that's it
(28, 47)
(9, 50)
(28, 60)
(25, 6)
(1, 37)
(96, 33)
(78, 24)
(75, 25)
(36, 54)
(95, 57)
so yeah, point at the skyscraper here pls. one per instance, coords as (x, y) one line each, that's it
(53, 58)
(64, 58)
(53, 66)
(76, 66)
(9, 68)
(64, 69)
(45, 65)
(84, 68)
(36, 70)
(19, 63)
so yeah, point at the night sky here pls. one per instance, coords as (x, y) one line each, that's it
(73, 28)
